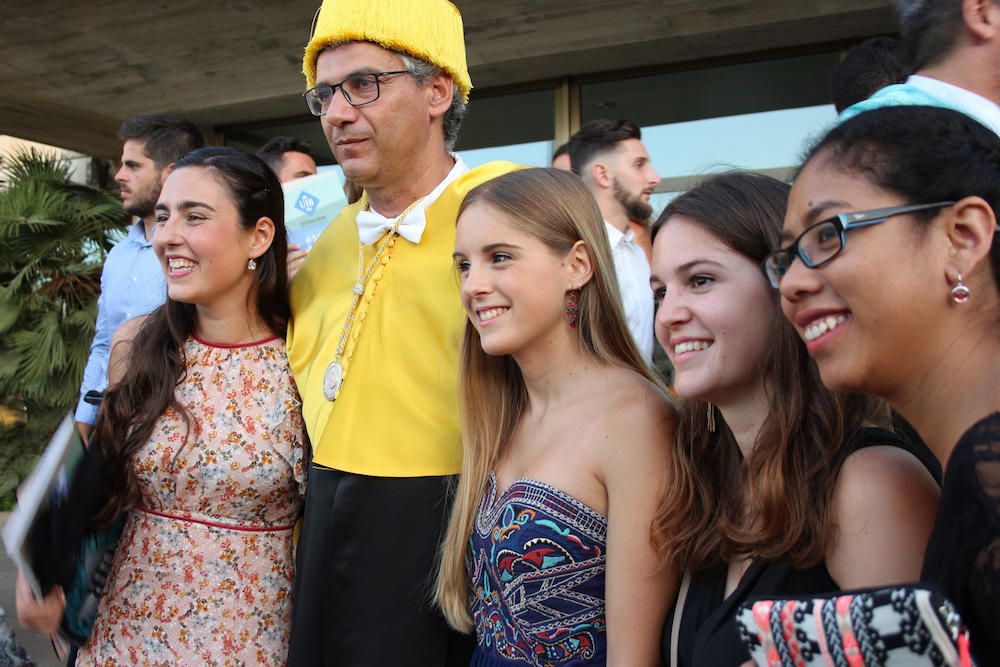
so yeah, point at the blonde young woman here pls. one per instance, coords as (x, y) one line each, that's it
(548, 553)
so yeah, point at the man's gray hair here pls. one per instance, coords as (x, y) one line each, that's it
(423, 72)
(929, 29)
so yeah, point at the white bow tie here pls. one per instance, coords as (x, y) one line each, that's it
(372, 226)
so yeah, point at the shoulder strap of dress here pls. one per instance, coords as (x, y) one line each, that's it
(675, 629)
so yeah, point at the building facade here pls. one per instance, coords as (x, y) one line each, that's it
(714, 83)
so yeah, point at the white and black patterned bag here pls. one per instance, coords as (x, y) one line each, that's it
(890, 627)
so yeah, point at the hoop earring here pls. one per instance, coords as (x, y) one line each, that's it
(960, 292)
(572, 312)
(711, 418)
(252, 264)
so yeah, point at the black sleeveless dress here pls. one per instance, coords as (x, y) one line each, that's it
(963, 554)
(708, 635)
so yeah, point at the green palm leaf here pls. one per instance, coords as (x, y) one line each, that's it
(54, 236)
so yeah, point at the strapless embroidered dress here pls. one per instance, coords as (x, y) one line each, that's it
(537, 569)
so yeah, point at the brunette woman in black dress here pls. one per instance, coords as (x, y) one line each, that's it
(782, 487)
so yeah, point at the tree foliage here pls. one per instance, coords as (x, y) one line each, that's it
(54, 236)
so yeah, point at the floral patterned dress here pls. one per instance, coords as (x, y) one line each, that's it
(203, 572)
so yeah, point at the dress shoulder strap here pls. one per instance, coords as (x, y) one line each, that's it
(675, 628)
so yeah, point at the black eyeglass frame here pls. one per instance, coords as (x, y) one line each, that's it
(843, 222)
(376, 76)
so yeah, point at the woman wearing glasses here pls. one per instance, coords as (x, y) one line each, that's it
(908, 309)
(782, 488)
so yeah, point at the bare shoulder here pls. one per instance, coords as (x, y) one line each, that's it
(884, 505)
(637, 421)
(121, 344)
(635, 400)
(128, 330)
(881, 471)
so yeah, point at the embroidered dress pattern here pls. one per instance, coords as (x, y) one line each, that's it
(538, 574)
(203, 573)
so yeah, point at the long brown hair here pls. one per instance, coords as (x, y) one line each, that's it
(778, 503)
(554, 207)
(155, 363)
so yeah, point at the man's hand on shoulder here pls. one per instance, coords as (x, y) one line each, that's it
(296, 256)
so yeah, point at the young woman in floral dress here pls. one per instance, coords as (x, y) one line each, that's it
(202, 434)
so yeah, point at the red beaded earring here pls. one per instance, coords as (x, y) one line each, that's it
(572, 314)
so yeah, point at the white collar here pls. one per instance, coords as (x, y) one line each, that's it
(372, 224)
(616, 236)
(982, 109)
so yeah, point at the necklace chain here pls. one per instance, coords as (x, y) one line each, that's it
(385, 245)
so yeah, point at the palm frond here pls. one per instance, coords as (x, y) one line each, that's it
(9, 363)
(29, 164)
(10, 311)
(54, 236)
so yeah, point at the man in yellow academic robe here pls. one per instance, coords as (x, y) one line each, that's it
(375, 333)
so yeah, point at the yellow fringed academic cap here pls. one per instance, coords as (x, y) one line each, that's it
(430, 30)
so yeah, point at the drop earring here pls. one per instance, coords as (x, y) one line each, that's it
(711, 418)
(572, 314)
(252, 264)
(960, 292)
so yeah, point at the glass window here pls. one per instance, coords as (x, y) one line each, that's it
(252, 137)
(518, 127)
(757, 115)
(727, 90)
(762, 141)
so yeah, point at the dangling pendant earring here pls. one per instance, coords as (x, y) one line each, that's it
(711, 418)
(252, 265)
(572, 313)
(960, 292)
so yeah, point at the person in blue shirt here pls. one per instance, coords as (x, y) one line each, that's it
(953, 48)
(132, 281)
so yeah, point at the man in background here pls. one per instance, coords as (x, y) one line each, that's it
(132, 281)
(288, 157)
(870, 66)
(953, 47)
(610, 158)
(560, 159)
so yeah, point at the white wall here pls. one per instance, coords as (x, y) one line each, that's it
(79, 163)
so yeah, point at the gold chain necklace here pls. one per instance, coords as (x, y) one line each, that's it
(336, 371)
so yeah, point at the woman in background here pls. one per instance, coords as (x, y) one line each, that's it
(565, 432)
(780, 486)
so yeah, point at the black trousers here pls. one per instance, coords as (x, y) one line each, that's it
(365, 570)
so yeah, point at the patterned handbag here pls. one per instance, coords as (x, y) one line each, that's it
(891, 627)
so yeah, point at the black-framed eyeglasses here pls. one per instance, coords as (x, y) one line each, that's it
(358, 90)
(823, 241)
